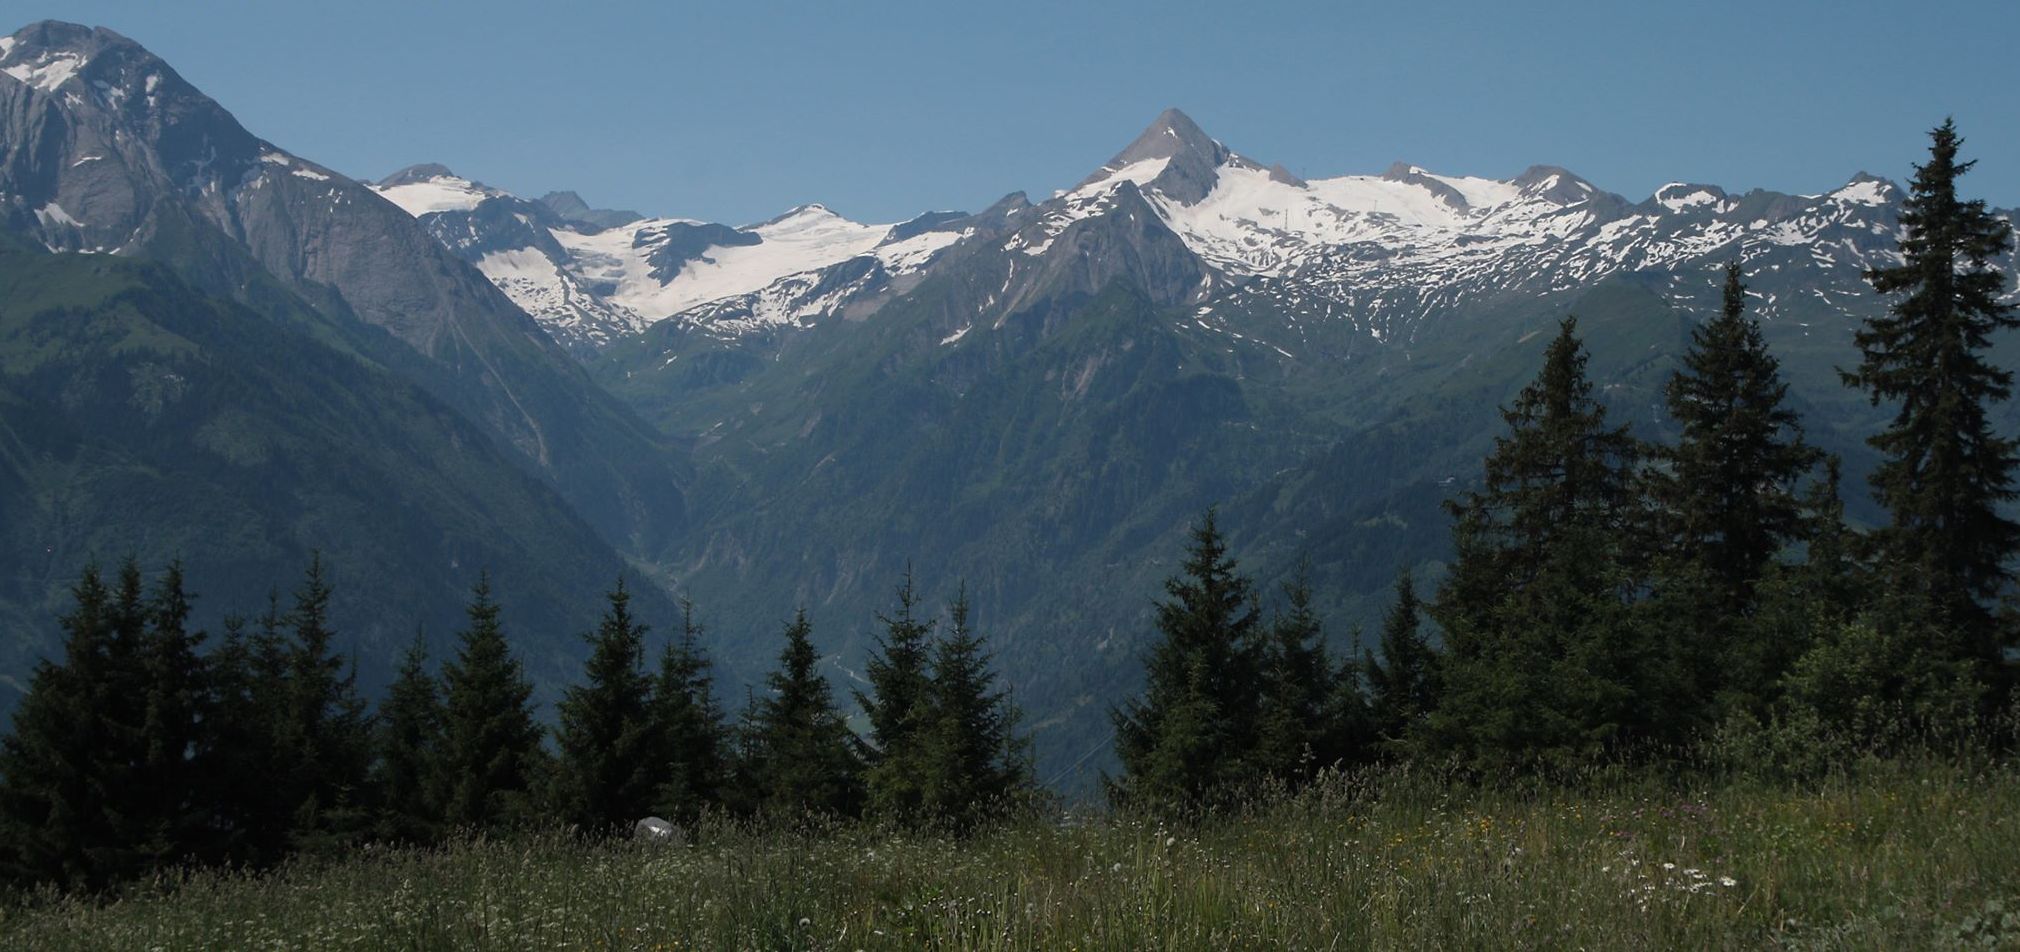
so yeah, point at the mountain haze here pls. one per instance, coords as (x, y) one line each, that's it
(1034, 399)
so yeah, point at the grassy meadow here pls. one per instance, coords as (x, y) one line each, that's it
(1892, 856)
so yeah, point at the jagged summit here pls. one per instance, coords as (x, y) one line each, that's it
(1190, 159)
(424, 172)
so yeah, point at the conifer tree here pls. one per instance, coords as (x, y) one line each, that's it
(1402, 683)
(54, 780)
(1944, 473)
(898, 708)
(407, 769)
(251, 785)
(1543, 664)
(802, 757)
(490, 742)
(1187, 738)
(612, 760)
(973, 764)
(1295, 731)
(690, 726)
(1726, 502)
(170, 808)
(324, 732)
(1730, 495)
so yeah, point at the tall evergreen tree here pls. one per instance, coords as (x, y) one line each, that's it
(171, 809)
(244, 764)
(1731, 492)
(802, 757)
(1726, 502)
(490, 742)
(696, 752)
(55, 782)
(407, 767)
(1944, 473)
(1296, 733)
(612, 760)
(1402, 683)
(973, 765)
(1188, 737)
(898, 708)
(1543, 663)
(324, 731)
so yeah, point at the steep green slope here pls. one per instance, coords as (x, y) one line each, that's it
(139, 416)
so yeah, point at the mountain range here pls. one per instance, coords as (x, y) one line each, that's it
(1031, 401)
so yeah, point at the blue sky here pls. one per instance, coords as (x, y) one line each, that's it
(734, 111)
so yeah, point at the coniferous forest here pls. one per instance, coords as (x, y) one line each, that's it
(1663, 693)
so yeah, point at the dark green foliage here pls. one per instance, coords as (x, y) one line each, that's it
(171, 810)
(1544, 664)
(56, 777)
(323, 731)
(1725, 502)
(406, 770)
(1186, 739)
(242, 749)
(800, 758)
(1945, 473)
(1299, 724)
(491, 745)
(690, 725)
(1403, 682)
(102, 778)
(972, 765)
(899, 708)
(612, 761)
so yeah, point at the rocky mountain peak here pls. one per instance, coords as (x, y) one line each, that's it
(424, 172)
(1191, 158)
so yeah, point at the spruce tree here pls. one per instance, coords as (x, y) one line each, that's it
(1295, 730)
(250, 782)
(1187, 739)
(802, 757)
(1730, 495)
(690, 726)
(898, 708)
(1726, 502)
(1543, 663)
(171, 810)
(612, 760)
(1402, 683)
(1944, 472)
(54, 779)
(407, 773)
(490, 742)
(973, 765)
(324, 732)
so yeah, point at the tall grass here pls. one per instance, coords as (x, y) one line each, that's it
(1921, 855)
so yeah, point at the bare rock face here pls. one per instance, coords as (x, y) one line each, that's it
(105, 148)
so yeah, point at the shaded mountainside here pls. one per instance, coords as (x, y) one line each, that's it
(139, 416)
(104, 148)
(1061, 394)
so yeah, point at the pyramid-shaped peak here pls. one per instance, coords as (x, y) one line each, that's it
(1173, 156)
(1171, 134)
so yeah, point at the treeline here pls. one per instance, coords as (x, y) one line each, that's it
(143, 748)
(1611, 599)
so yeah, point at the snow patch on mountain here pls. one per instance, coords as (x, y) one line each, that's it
(48, 72)
(442, 193)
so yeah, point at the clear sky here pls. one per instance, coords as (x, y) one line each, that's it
(734, 111)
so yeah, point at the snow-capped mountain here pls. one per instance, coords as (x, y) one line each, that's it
(1188, 219)
(104, 148)
(591, 276)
